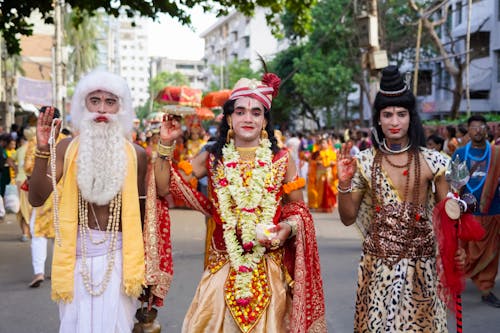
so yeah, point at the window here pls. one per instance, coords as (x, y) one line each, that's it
(184, 66)
(247, 41)
(480, 44)
(439, 75)
(235, 36)
(498, 65)
(424, 87)
(459, 11)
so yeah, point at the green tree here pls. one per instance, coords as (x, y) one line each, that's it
(232, 72)
(14, 13)
(163, 79)
(81, 35)
(318, 74)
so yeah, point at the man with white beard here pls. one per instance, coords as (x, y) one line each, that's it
(98, 269)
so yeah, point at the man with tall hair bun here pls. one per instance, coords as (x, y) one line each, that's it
(99, 268)
(483, 161)
(262, 269)
(389, 192)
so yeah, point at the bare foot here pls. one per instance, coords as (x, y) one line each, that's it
(37, 281)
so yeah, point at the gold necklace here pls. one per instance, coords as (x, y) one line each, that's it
(247, 153)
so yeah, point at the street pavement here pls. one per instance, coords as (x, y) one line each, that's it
(25, 310)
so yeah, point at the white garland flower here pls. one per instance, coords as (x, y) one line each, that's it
(245, 205)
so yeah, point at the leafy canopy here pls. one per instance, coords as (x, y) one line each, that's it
(14, 14)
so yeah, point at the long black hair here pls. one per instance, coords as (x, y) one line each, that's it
(228, 110)
(416, 134)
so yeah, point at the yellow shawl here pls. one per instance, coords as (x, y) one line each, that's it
(63, 264)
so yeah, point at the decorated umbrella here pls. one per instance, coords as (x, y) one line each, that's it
(205, 113)
(179, 100)
(216, 99)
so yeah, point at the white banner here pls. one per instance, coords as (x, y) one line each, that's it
(34, 91)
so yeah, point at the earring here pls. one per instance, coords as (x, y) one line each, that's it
(263, 134)
(379, 123)
(230, 134)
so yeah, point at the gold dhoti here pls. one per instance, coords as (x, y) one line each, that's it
(209, 312)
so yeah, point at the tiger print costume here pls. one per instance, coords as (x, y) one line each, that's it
(397, 280)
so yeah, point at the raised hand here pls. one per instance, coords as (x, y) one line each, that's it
(43, 128)
(346, 166)
(170, 129)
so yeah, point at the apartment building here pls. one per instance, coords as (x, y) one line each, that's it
(484, 69)
(123, 49)
(237, 37)
(192, 69)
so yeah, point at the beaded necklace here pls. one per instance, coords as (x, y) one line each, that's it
(486, 156)
(111, 233)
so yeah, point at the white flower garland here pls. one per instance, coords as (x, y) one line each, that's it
(248, 205)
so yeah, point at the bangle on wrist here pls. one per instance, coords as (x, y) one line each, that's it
(293, 226)
(165, 152)
(42, 154)
(344, 190)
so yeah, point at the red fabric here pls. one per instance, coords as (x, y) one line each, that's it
(25, 186)
(302, 260)
(272, 80)
(157, 244)
(448, 232)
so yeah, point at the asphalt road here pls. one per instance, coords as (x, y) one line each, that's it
(25, 310)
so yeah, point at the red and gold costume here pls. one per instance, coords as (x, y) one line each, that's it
(287, 292)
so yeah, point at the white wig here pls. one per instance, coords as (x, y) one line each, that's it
(104, 81)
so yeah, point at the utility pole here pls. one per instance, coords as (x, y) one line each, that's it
(59, 88)
(373, 59)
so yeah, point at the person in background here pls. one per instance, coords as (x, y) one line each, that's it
(435, 142)
(462, 135)
(24, 214)
(483, 161)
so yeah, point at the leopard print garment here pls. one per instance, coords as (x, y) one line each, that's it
(396, 296)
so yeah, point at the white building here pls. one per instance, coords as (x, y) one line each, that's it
(484, 66)
(237, 37)
(123, 49)
(192, 69)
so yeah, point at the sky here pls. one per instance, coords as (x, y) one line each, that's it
(169, 38)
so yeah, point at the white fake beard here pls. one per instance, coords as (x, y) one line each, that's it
(101, 161)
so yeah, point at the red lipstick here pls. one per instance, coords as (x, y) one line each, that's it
(101, 119)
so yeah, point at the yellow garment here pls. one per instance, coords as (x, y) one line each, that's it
(44, 226)
(11, 153)
(63, 265)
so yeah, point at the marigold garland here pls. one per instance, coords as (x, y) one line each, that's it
(294, 185)
(244, 204)
(186, 167)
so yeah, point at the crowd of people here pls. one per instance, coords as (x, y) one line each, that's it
(104, 195)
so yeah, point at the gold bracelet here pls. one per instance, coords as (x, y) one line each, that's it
(166, 151)
(41, 152)
(42, 156)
